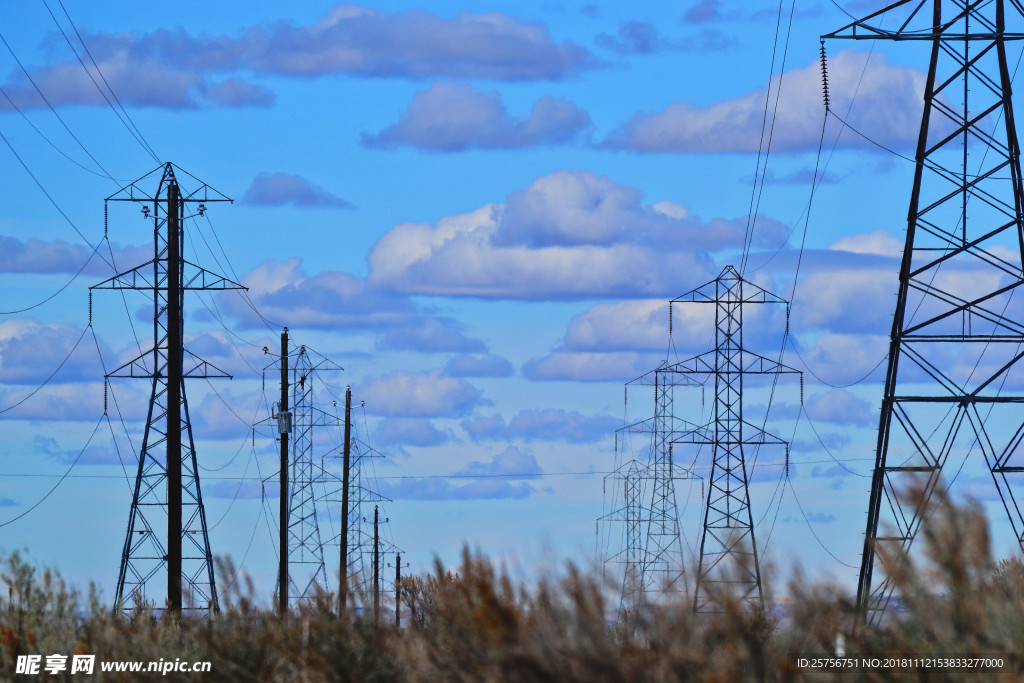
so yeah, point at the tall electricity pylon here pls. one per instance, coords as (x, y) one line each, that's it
(306, 569)
(652, 559)
(728, 531)
(952, 387)
(167, 492)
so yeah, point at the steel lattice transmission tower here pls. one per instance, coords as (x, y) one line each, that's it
(952, 387)
(652, 558)
(728, 531)
(307, 573)
(167, 496)
(629, 478)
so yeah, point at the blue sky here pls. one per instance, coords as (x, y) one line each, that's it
(479, 210)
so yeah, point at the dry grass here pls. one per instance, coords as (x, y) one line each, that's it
(476, 625)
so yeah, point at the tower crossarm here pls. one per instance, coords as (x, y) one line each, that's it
(194, 278)
(752, 436)
(146, 365)
(747, 362)
(136, 191)
(710, 292)
(918, 24)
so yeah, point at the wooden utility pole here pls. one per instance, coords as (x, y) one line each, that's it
(398, 589)
(346, 454)
(376, 564)
(283, 427)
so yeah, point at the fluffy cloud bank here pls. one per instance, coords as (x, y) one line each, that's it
(176, 69)
(450, 117)
(569, 235)
(887, 104)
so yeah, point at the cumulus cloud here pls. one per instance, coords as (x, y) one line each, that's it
(91, 455)
(569, 235)
(511, 462)
(430, 394)
(31, 350)
(227, 416)
(820, 517)
(553, 424)
(581, 366)
(279, 189)
(430, 335)
(409, 432)
(888, 110)
(845, 358)
(282, 290)
(635, 38)
(59, 256)
(75, 402)
(136, 70)
(443, 489)
(705, 10)
(643, 38)
(499, 478)
(841, 407)
(450, 117)
(175, 69)
(467, 365)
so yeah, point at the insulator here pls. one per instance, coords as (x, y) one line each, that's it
(105, 385)
(787, 461)
(824, 75)
(669, 318)
(616, 443)
(801, 388)
(105, 219)
(787, 320)
(90, 307)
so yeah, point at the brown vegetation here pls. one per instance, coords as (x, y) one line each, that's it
(476, 625)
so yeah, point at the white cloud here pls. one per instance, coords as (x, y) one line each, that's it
(841, 407)
(283, 291)
(449, 117)
(478, 366)
(31, 350)
(589, 367)
(278, 189)
(886, 107)
(407, 394)
(569, 235)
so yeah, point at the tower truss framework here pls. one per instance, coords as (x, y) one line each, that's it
(307, 572)
(953, 382)
(728, 529)
(167, 532)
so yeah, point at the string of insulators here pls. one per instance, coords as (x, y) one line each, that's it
(105, 385)
(669, 318)
(105, 220)
(90, 307)
(787, 461)
(824, 75)
(787, 320)
(801, 388)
